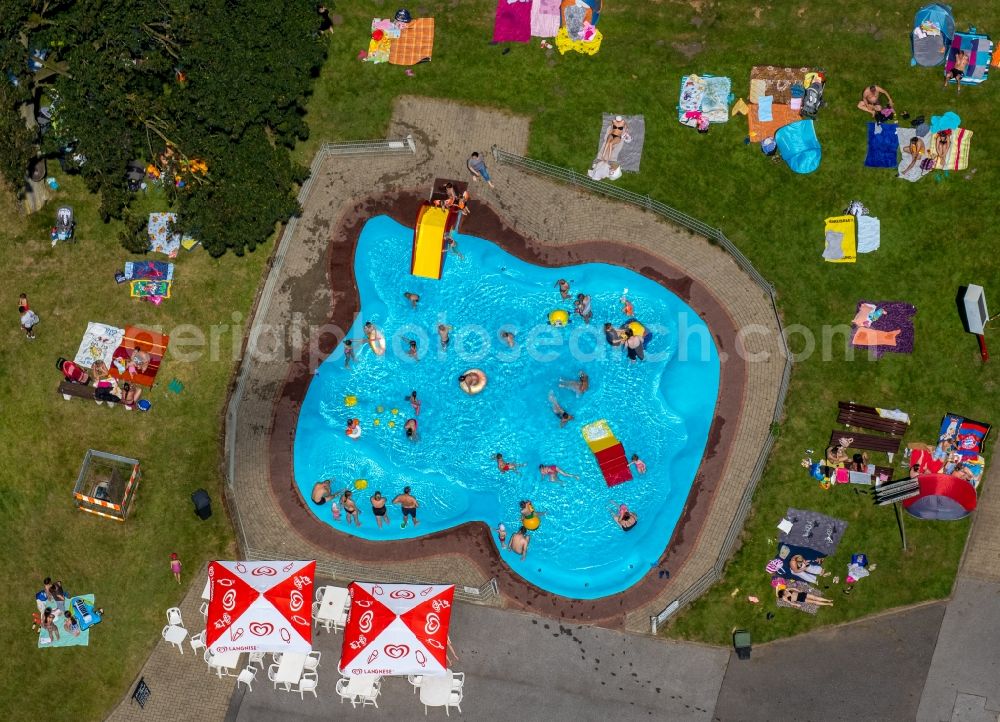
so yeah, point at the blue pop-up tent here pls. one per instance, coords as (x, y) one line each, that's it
(799, 146)
(933, 29)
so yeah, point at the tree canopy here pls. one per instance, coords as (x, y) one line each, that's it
(212, 93)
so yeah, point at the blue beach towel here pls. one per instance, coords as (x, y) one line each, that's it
(764, 109)
(882, 145)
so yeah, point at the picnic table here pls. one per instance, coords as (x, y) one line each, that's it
(290, 669)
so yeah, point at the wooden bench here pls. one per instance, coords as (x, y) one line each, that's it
(867, 442)
(867, 417)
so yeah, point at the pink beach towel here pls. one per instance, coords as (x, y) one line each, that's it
(545, 18)
(513, 21)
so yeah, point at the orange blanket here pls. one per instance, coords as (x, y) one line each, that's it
(782, 115)
(415, 43)
(871, 337)
(155, 344)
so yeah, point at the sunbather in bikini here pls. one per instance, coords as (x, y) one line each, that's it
(616, 133)
(916, 150)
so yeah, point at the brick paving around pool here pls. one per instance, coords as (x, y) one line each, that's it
(311, 284)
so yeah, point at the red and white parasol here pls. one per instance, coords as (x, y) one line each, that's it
(260, 606)
(395, 629)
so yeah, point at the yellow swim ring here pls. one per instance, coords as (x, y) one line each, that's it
(472, 387)
(350, 400)
(531, 523)
(361, 484)
(558, 317)
(637, 328)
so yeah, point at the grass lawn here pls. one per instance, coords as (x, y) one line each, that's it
(935, 236)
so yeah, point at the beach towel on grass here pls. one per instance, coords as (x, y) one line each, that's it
(882, 145)
(775, 81)
(798, 585)
(813, 530)
(65, 638)
(513, 21)
(704, 94)
(869, 233)
(897, 316)
(99, 343)
(628, 155)
(152, 270)
(957, 157)
(903, 137)
(415, 43)
(781, 115)
(148, 288)
(841, 244)
(545, 18)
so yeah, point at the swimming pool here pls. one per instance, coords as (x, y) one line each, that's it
(660, 408)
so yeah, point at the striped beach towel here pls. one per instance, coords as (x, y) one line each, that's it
(415, 43)
(958, 152)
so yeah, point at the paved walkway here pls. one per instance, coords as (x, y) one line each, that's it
(299, 295)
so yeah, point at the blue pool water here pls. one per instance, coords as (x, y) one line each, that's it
(660, 409)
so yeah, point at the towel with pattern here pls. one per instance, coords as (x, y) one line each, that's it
(781, 115)
(704, 96)
(775, 81)
(924, 165)
(893, 330)
(545, 18)
(99, 343)
(957, 157)
(415, 43)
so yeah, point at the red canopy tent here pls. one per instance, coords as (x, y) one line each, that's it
(260, 606)
(396, 629)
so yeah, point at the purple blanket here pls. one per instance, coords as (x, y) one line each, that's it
(513, 21)
(897, 315)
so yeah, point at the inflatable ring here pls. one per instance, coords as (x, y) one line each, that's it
(531, 523)
(361, 484)
(558, 317)
(377, 342)
(473, 389)
(637, 328)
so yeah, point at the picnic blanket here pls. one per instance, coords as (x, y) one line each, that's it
(813, 530)
(781, 115)
(882, 145)
(513, 21)
(384, 32)
(65, 638)
(99, 343)
(149, 288)
(626, 154)
(564, 43)
(545, 18)
(957, 157)
(155, 344)
(415, 43)
(152, 270)
(775, 81)
(704, 96)
(918, 171)
(161, 240)
(893, 331)
(841, 245)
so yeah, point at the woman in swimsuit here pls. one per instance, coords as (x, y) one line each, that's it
(563, 285)
(615, 133)
(378, 509)
(410, 427)
(916, 150)
(625, 519)
(797, 598)
(942, 144)
(350, 508)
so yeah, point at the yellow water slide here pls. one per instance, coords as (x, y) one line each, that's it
(428, 240)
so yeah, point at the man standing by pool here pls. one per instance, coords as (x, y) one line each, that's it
(519, 543)
(477, 166)
(409, 504)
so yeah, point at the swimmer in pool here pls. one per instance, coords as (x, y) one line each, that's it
(412, 350)
(348, 353)
(519, 543)
(504, 466)
(625, 519)
(508, 338)
(563, 285)
(409, 504)
(564, 416)
(350, 508)
(612, 335)
(470, 378)
(452, 246)
(639, 464)
(443, 335)
(582, 307)
(414, 402)
(627, 308)
(378, 509)
(528, 510)
(321, 492)
(580, 385)
(410, 427)
(413, 298)
(553, 472)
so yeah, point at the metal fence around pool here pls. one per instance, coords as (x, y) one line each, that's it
(716, 236)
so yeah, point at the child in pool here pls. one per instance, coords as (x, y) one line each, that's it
(502, 535)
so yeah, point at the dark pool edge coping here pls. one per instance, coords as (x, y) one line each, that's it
(473, 540)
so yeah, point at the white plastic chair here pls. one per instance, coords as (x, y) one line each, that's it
(327, 624)
(174, 617)
(163, 634)
(276, 657)
(457, 681)
(343, 693)
(312, 661)
(247, 676)
(207, 656)
(204, 609)
(308, 683)
(197, 641)
(272, 674)
(256, 658)
(372, 697)
(415, 680)
(453, 701)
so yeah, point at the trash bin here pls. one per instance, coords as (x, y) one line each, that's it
(742, 643)
(202, 504)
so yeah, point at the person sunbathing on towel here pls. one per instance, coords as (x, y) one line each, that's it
(800, 599)
(942, 144)
(806, 571)
(916, 150)
(870, 97)
(139, 362)
(836, 456)
(957, 71)
(616, 133)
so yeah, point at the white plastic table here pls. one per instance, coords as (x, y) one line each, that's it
(361, 686)
(333, 604)
(290, 669)
(225, 661)
(435, 690)
(175, 634)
